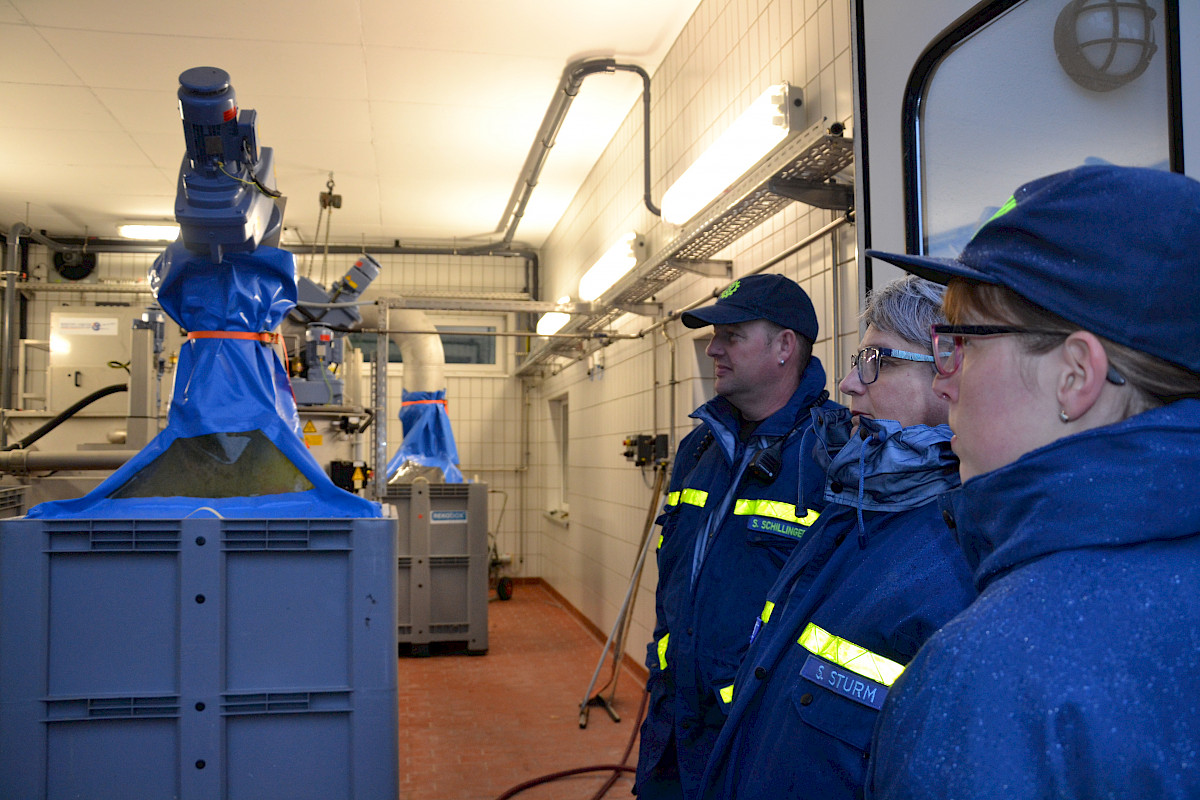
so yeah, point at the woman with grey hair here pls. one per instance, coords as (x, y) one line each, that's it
(872, 579)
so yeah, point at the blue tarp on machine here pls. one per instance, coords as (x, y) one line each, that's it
(428, 438)
(232, 444)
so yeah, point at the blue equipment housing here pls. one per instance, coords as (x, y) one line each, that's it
(327, 327)
(226, 198)
(232, 442)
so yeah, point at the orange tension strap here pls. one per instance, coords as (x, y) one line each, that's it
(264, 337)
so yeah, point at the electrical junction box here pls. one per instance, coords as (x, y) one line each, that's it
(84, 340)
(349, 475)
(643, 449)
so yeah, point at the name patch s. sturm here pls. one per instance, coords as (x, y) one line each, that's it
(844, 682)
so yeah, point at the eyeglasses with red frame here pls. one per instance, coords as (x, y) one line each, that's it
(947, 343)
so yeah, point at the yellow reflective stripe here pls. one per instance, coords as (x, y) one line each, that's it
(673, 498)
(775, 509)
(849, 655)
(1008, 206)
(765, 616)
(662, 651)
(660, 541)
(694, 497)
(727, 694)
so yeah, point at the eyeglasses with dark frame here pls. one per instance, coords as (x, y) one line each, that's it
(947, 343)
(867, 361)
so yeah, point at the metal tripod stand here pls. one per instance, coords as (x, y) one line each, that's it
(621, 627)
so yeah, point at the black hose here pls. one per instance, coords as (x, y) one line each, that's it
(63, 416)
(615, 769)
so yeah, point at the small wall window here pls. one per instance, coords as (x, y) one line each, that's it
(559, 421)
(464, 344)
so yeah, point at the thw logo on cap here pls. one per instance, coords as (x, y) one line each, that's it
(733, 287)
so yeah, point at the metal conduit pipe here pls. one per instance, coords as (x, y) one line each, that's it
(514, 249)
(22, 462)
(564, 95)
(58, 247)
(7, 333)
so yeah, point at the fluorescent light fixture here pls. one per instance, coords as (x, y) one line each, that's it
(752, 137)
(158, 233)
(611, 267)
(553, 321)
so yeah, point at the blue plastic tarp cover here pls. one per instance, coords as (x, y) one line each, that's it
(232, 445)
(428, 439)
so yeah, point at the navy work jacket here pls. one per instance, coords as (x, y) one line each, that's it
(1075, 672)
(873, 579)
(725, 535)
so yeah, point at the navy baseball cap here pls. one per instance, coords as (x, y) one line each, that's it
(769, 297)
(1114, 250)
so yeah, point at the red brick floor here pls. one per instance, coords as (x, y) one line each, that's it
(473, 727)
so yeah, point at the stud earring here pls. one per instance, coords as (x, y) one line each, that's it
(1062, 414)
(782, 362)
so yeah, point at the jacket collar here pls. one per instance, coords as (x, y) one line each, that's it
(1126, 483)
(884, 466)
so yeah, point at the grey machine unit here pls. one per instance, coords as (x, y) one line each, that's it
(443, 565)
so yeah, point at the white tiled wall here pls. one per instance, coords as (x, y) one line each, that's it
(726, 56)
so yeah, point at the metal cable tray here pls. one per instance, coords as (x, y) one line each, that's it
(811, 159)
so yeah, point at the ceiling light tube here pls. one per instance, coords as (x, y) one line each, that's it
(553, 321)
(152, 232)
(753, 136)
(612, 266)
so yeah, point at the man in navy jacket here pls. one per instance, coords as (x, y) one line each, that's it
(741, 496)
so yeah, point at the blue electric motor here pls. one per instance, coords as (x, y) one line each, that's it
(323, 339)
(226, 198)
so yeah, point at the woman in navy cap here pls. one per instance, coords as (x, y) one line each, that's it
(1071, 366)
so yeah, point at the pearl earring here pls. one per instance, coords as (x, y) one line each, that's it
(1062, 414)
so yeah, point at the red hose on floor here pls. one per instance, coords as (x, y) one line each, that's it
(615, 769)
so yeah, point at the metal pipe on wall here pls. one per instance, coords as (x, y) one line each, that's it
(835, 289)
(22, 462)
(7, 344)
(556, 113)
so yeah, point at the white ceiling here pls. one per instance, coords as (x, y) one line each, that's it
(423, 110)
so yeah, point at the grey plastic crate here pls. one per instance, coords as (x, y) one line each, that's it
(198, 658)
(442, 565)
(12, 501)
